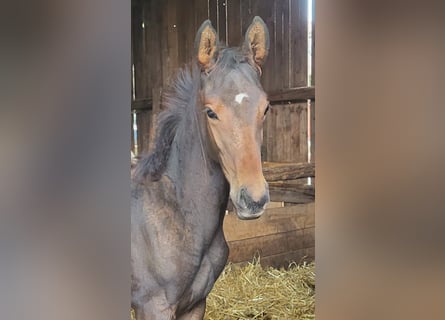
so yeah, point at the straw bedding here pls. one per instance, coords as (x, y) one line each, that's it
(253, 292)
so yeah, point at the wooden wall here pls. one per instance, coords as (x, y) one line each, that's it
(280, 236)
(163, 35)
(289, 123)
(163, 38)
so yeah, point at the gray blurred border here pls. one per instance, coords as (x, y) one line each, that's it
(64, 161)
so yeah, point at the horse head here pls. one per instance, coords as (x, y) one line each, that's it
(235, 106)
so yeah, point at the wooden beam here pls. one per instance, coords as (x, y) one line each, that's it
(292, 191)
(274, 220)
(296, 94)
(284, 259)
(290, 195)
(142, 104)
(300, 184)
(293, 94)
(273, 244)
(275, 171)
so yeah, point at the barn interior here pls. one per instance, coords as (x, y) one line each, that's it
(163, 41)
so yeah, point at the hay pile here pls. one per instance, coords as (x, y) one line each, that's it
(252, 292)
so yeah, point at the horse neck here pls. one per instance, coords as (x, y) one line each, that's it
(201, 187)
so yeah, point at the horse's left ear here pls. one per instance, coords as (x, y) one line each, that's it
(206, 44)
(257, 40)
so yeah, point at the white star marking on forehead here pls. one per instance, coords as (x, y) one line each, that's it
(240, 96)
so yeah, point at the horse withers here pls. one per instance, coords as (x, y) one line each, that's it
(207, 148)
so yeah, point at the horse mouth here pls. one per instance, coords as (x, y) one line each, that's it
(247, 207)
(247, 215)
(249, 212)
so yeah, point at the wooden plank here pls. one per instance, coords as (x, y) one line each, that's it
(292, 94)
(285, 259)
(280, 49)
(154, 54)
(303, 210)
(138, 51)
(291, 184)
(273, 221)
(284, 122)
(309, 237)
(298, 43)
(222, 21)
(245, 250)
(142, 104)
(180, 24)
(235, 34)
(273, 143)
(147, 55)
(201, 14)
(170, 59)
(164, 42)
(274, 171)
(296, 147)
(143, 123)
(312, 130)
(302, 135)
(144, 59)
(274, 205)
(248, 10)
(303, 194)
(289, 117)
(213, 14)
(186, 30)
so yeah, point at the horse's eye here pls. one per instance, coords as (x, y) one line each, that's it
(211, 114)
(267, 110)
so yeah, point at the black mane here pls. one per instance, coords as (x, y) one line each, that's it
(176, 101)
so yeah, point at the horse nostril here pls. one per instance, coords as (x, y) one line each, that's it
(246, 201)
(244, 197)
(263, 200)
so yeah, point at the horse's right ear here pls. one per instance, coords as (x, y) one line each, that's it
(257, 41)
(206, 44)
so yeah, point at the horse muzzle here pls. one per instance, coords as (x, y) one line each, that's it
(247, 207)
